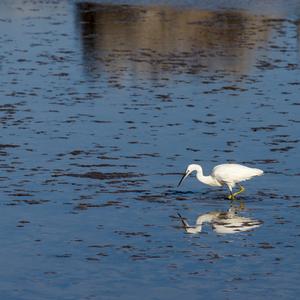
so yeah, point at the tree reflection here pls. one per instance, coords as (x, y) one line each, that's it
(164, 39)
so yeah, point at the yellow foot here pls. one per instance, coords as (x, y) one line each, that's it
(241, 190)
(231, 197)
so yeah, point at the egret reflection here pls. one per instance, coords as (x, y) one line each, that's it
(222, 222)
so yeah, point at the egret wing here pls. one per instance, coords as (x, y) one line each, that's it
(232, 173)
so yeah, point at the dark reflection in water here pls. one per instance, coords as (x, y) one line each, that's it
(157, 39)
(223, 222)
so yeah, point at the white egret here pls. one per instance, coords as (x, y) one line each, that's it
(225, 174)
(222, 222)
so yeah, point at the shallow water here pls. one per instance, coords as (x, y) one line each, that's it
(102, 107)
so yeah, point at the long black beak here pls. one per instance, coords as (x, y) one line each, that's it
(182, 178)
(183, 221)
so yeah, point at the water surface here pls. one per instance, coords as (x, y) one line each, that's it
(102, 107)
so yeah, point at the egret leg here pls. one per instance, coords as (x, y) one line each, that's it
(242, 205)
(242, 189)
(238, 206)
(231, 196)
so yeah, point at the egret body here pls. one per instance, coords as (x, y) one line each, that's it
(225, 174)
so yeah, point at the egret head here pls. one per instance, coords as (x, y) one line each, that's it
(188, 228)
(189, 170)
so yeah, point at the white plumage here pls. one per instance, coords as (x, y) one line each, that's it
(225, 174)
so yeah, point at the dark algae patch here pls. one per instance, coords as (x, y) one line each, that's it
(100, 176)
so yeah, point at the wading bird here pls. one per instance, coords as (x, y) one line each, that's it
(225, 174)
(222, 222)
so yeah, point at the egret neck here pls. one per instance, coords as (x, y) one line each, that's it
(205, 179)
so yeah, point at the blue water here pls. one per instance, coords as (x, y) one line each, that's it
(103, 106)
